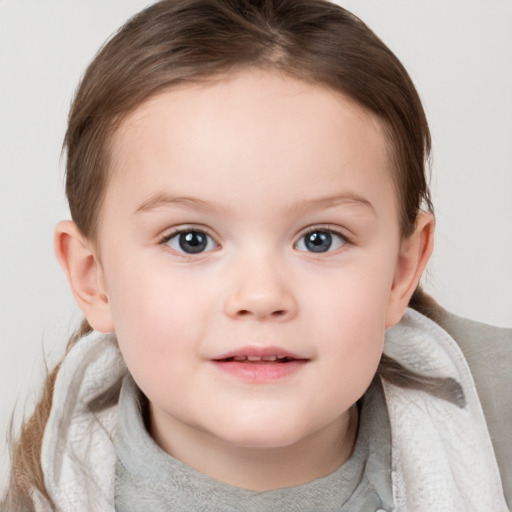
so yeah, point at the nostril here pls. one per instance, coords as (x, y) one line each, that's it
(276, 314)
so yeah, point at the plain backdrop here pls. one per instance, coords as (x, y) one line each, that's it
(458, 52)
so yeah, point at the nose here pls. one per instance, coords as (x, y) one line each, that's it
(261, 292)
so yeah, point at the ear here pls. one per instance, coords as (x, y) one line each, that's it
(82, 267)
(413, 257)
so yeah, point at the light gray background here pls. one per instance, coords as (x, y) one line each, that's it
(459, 53)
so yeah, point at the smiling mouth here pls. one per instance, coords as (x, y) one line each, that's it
(258, 359)
(270, 364)
(260, 364)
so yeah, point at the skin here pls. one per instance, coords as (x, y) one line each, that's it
(256, 161)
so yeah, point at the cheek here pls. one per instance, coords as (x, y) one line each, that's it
(355, 295)
(351, 356)
(349, 321)
(158, 323)
(352, 337)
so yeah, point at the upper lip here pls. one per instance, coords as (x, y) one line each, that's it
(267, 353)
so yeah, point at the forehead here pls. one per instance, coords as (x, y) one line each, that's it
(244, 127)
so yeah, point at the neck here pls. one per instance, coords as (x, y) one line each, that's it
(264, 469)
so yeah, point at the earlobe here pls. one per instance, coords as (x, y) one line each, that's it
(415, 251)
(83, 271)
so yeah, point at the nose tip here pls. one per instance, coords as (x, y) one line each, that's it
(261, 300)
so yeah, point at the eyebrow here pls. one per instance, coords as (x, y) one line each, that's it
(162, 199)
(168, 200)
(350, 198)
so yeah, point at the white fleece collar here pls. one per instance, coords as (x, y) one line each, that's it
(443, 460)
(77, 457)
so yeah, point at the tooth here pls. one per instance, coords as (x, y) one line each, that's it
(269, 358)
(239, 358)
(254, 358)
(281, 357)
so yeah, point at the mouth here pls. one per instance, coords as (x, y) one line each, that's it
(279, 358)
(260, 364)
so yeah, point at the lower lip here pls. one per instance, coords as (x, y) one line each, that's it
(260, 372)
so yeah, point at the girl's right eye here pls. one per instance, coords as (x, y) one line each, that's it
(190, 241)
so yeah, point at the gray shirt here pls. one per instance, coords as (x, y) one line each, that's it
(147, 478)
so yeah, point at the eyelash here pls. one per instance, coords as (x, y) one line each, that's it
(323, 229)
(343, 239)
(166, 238)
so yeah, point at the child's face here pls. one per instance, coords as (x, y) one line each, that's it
(254, 216)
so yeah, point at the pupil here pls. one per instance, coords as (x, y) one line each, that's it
(319, 241)
(192, 241)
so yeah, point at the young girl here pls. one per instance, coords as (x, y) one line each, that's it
(251, 219)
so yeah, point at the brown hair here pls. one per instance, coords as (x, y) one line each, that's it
(176, 41)
(181, 41)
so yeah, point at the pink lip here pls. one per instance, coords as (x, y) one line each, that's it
(278, 363)
(258, 352)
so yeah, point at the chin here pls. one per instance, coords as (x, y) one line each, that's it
(265, 436)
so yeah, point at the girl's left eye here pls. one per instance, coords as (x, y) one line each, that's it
(320, 240)
(190, 241)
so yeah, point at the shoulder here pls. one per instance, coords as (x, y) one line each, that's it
(488, 351)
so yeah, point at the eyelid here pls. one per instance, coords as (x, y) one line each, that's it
(184, 228)
(336, 230)
(325, 227)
